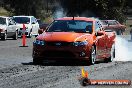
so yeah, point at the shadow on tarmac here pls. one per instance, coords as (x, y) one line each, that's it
(64, 63)
(58, 64)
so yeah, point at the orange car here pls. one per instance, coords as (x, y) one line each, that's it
(74, 39)
(114, 25)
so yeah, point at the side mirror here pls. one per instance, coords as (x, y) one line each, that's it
(100, 33)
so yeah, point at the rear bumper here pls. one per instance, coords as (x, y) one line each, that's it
(61, 53)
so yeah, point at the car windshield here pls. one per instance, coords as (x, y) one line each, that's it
(2, 21)
(70, 26)
(22, 20)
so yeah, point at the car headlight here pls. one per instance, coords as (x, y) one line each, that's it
(83, 43)
(39, 42)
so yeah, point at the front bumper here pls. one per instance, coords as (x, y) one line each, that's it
(61, 52)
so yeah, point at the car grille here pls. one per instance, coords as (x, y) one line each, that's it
(63, 54)
(58, 43)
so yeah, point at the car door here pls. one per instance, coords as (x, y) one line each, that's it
(9, 26)
(13, 24)
(101, 40)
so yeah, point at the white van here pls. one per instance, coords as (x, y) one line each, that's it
(31, 25)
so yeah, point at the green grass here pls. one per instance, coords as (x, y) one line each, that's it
(4, 12)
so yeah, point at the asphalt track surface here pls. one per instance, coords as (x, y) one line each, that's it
(17, 70)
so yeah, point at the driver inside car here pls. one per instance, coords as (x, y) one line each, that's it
(89, 28)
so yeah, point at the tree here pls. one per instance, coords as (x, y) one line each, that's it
(27, 7)
(104, 9)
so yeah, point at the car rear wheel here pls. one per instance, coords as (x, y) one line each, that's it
(15, 37)
(4, 37)
(93, 56)
(111, 58)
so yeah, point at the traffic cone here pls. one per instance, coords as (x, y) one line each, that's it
(23, 37)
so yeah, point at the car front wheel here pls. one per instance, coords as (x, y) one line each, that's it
(93, 55)
(112, 54)
(4, 37)
(15, 37)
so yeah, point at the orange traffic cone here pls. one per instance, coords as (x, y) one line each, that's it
(23, 37)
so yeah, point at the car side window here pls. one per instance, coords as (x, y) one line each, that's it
(100, 26)
(11, 22)
(112, 23)
(33, 20)
(97, 26)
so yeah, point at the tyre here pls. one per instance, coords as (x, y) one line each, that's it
(4, 37)
(30, 35)
(37, 61)
(112, 54)
(15, 37)
(93, 55)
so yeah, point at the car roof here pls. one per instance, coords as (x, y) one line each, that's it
(77, 18)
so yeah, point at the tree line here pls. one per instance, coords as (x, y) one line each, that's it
(104, 9)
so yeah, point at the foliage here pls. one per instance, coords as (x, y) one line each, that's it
(38, 8)
(104, 9)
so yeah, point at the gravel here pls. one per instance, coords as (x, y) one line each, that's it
(17, 70)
